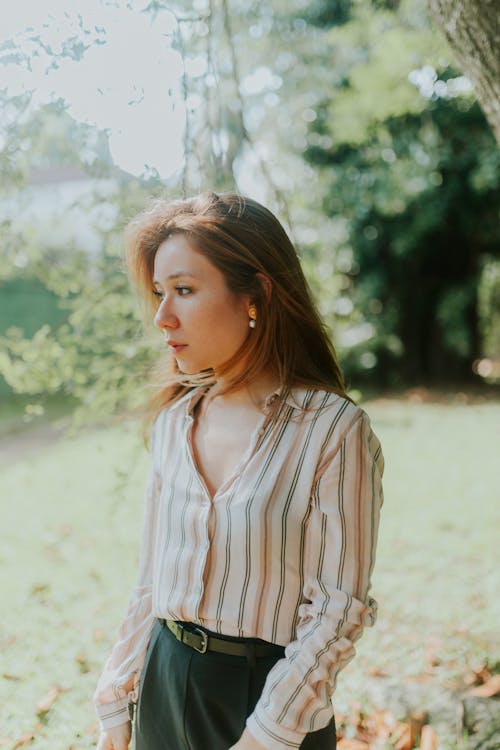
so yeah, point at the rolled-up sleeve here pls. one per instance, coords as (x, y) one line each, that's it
(118, 683)
(340, 544)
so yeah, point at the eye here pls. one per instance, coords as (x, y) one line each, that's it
(183, 290)
(157, 293)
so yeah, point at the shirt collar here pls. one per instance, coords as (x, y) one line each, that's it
(294, 397)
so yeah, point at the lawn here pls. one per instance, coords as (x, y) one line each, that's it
(71, 513)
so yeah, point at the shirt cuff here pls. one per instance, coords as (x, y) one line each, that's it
(271, 735)
(113, 714)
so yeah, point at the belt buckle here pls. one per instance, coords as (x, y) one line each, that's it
(204, 640)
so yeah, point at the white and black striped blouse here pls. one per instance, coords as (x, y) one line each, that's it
(284, 551)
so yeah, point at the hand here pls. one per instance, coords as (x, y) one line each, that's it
(117, 738)
(247, 742)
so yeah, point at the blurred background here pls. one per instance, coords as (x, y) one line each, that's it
(353, 122)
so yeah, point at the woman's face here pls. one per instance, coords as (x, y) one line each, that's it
(204, 323)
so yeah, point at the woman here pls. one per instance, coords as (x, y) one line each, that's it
(263, 501)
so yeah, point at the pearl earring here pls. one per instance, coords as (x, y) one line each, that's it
(252, 312)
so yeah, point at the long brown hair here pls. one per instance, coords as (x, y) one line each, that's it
(241, 238)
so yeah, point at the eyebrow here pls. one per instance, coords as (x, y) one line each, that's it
(176, 275)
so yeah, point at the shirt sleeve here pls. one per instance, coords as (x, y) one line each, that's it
(340, 546)
(119, 681)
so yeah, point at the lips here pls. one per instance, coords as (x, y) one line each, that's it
(175, 346)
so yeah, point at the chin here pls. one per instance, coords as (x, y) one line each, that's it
(187, 369)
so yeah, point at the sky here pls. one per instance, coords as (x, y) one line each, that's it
(127, 81)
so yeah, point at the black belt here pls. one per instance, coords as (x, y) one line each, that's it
(197, 638)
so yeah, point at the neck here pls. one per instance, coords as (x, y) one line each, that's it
(254, 393)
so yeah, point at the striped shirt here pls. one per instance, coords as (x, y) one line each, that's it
(284, 552)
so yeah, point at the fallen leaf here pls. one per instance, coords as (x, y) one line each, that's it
(489, 688)
(402, 738)
(428, 738)
(345, 744)
(478, 675)
(423, 677)
(83, 663)
(470, 678)
(416, 721)
(432, 645)
(40, 588)
(355, 715)
(376, 672)
(48, 699)
(24, 739)
(379, 725)
(341, 719)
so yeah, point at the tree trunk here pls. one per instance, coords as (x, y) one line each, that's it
(472, 28)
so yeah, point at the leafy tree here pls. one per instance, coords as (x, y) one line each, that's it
(95, 352)
(422, 195)
(408, 160)
(348, 118)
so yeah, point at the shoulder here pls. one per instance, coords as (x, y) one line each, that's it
(326, 408)
(337, 422)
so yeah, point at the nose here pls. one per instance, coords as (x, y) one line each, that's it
(165, 318)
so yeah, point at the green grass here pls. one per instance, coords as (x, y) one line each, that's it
(21, 413)
(71, 514)
(436, 577)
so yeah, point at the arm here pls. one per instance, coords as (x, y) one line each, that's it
(339, 556)
(121, 673)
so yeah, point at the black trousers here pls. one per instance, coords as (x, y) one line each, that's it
(192, 701)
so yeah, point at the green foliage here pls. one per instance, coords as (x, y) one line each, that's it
(29, 300)
(394, 208)
(97, 354)
(418, 230)
(380, 51)
(33, 365)
(489, 308)
(92, 350)
(327, 13)
(410, 162)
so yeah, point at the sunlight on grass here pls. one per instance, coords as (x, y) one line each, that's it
(71, 515)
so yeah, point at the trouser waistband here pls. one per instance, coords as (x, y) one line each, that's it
(202, 641)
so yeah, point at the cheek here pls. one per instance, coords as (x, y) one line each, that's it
(228, 326)
(227, 311)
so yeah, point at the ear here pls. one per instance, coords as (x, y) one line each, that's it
(266, 284)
